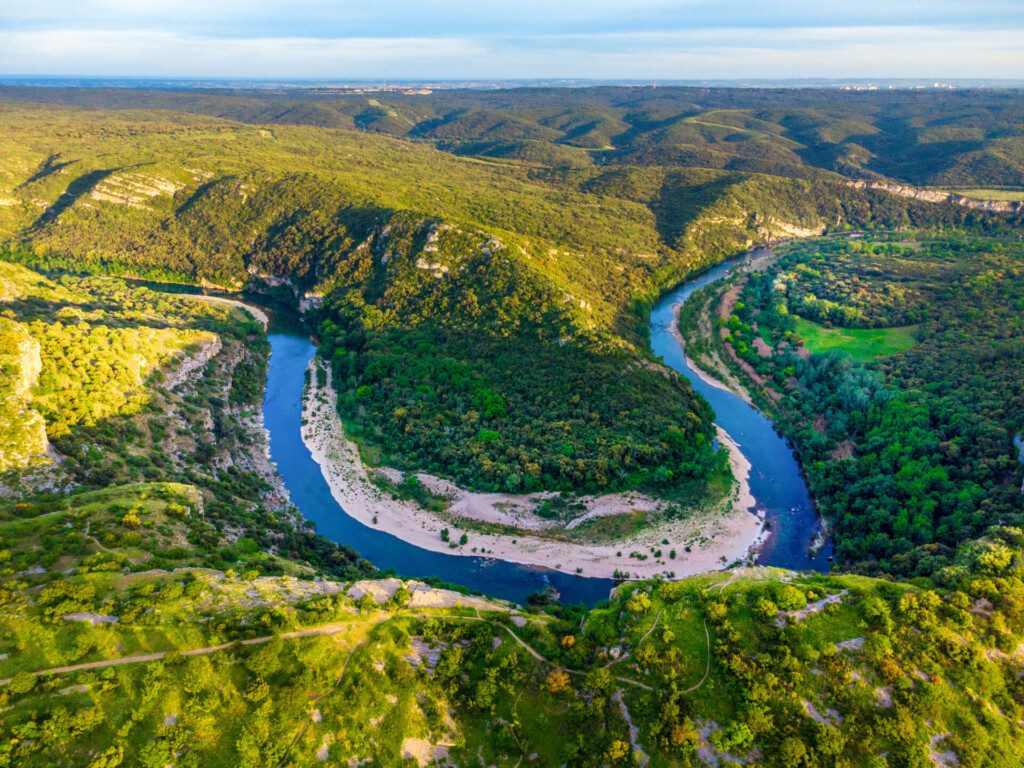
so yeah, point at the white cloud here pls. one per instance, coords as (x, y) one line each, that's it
(867, 51)
(145, 53)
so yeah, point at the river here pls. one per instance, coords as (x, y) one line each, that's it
(775, 480)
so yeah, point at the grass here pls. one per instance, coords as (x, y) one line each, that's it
(1012, 195)
(864, 344)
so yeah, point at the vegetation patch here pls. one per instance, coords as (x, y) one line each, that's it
(860, 343)
(906, 452)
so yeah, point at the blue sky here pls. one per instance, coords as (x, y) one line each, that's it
(488, 39)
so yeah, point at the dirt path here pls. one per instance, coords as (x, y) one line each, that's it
(257, 314)
(332, 689)
(322, 630)
(648, 632)
(142, 658)
(540, 657)
(707, 662)
(639, 642)
(529, 648)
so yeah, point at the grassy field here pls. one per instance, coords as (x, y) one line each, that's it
(860, 343)
(993, 194)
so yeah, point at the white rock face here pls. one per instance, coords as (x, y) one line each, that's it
(22, 429)
(133, 189)
(421, 595)
(941, 196)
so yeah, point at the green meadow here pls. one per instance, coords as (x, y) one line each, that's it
(860, 343)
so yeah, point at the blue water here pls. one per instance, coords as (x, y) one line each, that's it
(282, 416)
(775, 481)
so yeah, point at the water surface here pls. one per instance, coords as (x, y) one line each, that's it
(775, 482)
(282, 416)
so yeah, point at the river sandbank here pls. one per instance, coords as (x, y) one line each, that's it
(736, 388)
(257, 314)
(715, 538)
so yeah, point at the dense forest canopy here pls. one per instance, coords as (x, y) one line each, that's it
(478, 268)
(964, 138)
(911, 452)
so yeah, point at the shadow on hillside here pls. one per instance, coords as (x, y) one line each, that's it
(80, 186)
(49, 167)
(201, 191)
(680, 202)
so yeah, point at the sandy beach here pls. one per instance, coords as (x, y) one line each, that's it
(716, 538)
(258, 314)
(703, 375)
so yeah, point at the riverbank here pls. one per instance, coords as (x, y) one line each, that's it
(732, 386)
(715, 539)
(255, 312)
(777, 482)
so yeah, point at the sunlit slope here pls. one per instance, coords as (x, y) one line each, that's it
(63, 365)
(756, 666)
(933, 138)
(177, 196)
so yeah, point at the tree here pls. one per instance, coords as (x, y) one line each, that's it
(792, 752)
(257, 690)
(617, 751)
(638, 603)
(557, 681)
(111, 757)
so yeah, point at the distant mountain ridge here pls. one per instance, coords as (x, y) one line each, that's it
(920, 137)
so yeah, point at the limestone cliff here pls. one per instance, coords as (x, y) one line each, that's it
(942, 196)
(22, 429)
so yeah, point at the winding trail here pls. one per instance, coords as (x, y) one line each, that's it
(639, 642)
(142, 658)
(707, 662)
(648, 632)
(314, 700)
(322, 630)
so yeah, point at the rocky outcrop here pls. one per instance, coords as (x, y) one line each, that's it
(134, 190)
(941, 196)
(22, 429)
(192, 363)
(420, 595)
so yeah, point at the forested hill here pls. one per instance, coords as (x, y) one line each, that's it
(485, 317)
(473, 268)
(970, 138)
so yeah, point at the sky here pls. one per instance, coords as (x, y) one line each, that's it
(521, 39)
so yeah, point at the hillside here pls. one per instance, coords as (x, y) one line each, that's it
(479, 282)
(929, 138)
(473, 266)
(117, 387)
(196, 667)
(159, 635)
(893, 363)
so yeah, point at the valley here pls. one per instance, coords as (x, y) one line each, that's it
(494, 427)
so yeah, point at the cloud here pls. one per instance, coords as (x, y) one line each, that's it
(488, 18)
(144, 53)
(796, 51)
